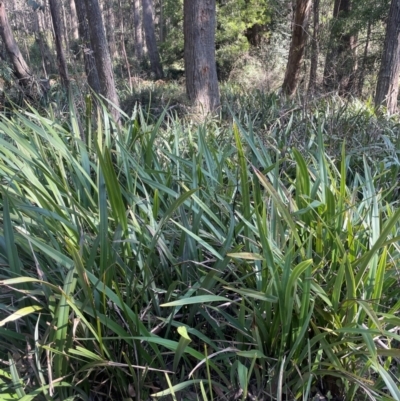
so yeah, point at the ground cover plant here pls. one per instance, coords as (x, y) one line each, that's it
(248, 257)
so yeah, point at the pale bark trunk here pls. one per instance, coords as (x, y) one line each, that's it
(102, 56)
(314, 49)
(387, 87)
(20, 67)
(199, 53)
(297, 45)
(161, 22)
(110, 28)
(88, 57)
(63, 25)
(73, 20)
(151, 42)
(137, 25)
(47, 56)
(122, 43)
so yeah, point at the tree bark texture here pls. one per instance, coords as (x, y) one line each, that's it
(341, 60)
(387, 87)
(73, 20)
(199, 54)
(314, 49)
(63, 24)
(102, 56)
(110, 28)
(20, 67)
(151, 42)
(62, 65)
(122, 41)
(88, 57)
(297, 45)
(41, 39)
(137, 25)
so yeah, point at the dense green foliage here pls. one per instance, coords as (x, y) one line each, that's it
(252, 255)
(165, 257)
(234, 18)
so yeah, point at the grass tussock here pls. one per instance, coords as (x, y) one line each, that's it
(251, 257)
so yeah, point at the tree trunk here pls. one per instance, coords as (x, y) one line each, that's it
(161, 22)
(88, 57)
(137, 25)
(41, 39)
(314, 49)
(20, 68)
(63, 25)
(73, 20)
(199, 53)
(102, 56)
(151, 42)
(122, 43)
(341, 60)
(297, 45)
(110, 28)
(387, 87)
(62, 65)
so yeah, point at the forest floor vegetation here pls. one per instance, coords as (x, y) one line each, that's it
(253, 256)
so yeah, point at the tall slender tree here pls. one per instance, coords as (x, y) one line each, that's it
(41, 40)
(297, 45)
(151, 42)
(109, 17)
(62, 65)
(199, 53)
(314, 48)
(387, 87)
(137, 25)
(102, 56)
(73, 20)
(88, 57)
(64, 24)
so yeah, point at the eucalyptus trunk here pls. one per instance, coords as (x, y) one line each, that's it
(138, 28)
(151, 42)
(88, 57)
(73, 20)
(102, 56)
(199, 53)
(62, 65)
(314, 49)
(297, 45)
(20, 67)
(110, 28)
(63, 24)
(41, 39)
(387, 87)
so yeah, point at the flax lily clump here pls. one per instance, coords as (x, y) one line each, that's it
(167, 259)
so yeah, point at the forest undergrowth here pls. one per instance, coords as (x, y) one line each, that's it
(253, 256)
